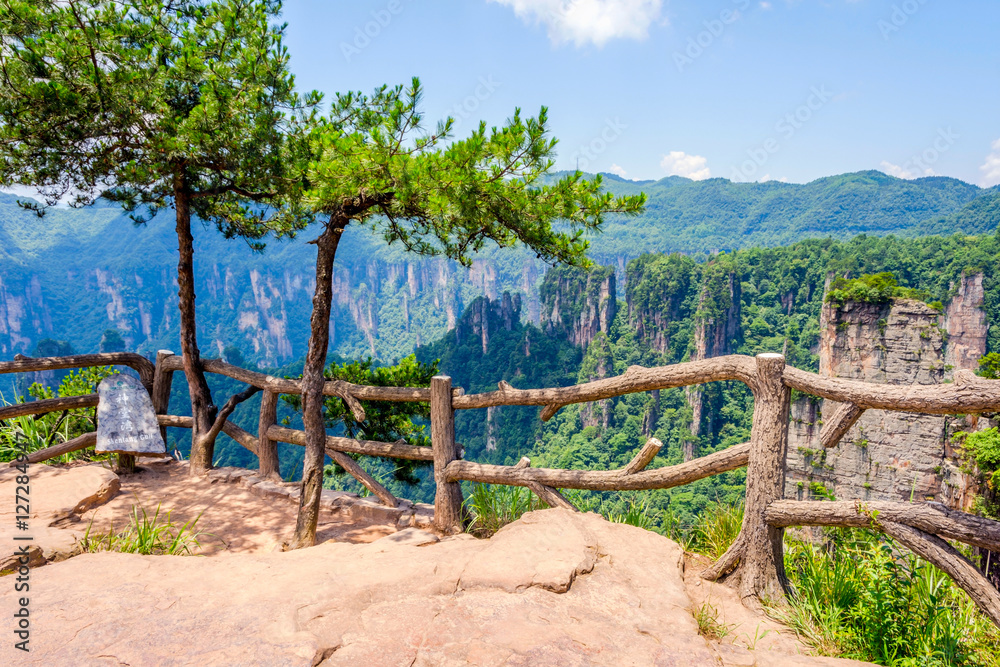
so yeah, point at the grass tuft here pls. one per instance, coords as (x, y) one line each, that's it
(149, 535)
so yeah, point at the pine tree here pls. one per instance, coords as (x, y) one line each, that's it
(185, 104)
(374, 165)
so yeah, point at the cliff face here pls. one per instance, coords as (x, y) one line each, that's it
(965, 322)
(888, 455)
(577, 304)
(482, 318)
(717, 327)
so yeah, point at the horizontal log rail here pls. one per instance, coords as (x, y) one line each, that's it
(84, 441)
(397, 450)
(603, 480)
(966, 396)
(633, 380)
(140, 364)
(47, 405)
(928, 517)
(247, 440)
(337, 388)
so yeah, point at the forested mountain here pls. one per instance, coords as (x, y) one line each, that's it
(676, 309)
(75, 274)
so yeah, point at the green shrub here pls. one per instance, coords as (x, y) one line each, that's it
(30, 433)
(989, 366)
(871, 288)
(856, 596)
(635, 513)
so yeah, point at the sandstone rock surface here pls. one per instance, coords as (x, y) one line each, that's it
(56, 499)
(555, 588)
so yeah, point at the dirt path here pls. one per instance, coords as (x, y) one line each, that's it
(230, 517)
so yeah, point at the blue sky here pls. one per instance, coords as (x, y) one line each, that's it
(739, 89)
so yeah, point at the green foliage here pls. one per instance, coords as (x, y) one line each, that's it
(855, 596)
(716, 529)
(636, 513)
(374, 164)
(989, 366)
(491, 507)
(187, 97)
(877, 288)
(674, 217)
(33, 432)
(384, 421)
(146, 535)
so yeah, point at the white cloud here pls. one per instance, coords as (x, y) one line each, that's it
(991, 168)
(583, 21)
(904, 171)
(616, 170)
(679, 163)
(765, 5)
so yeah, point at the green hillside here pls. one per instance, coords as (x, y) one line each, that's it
(78, 272)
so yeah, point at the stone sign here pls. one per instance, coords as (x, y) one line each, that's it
(126, 422)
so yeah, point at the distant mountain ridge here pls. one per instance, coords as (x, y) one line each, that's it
(76, 273)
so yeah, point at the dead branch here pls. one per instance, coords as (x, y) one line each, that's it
(227, 409)
(843, 419)
(644, 457)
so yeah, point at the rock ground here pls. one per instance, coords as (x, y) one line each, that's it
(555, 588)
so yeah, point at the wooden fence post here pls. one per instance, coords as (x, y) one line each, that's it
(161, 389)
(267, 449)
(763, 568)
(448, 496)
(757, 554)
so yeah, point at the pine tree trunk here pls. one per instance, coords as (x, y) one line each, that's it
(203, 410)
(312, 385)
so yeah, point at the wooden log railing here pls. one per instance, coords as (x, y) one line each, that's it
(754, 562)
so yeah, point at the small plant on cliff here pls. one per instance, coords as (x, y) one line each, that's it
(709, 626)
(981, 452)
